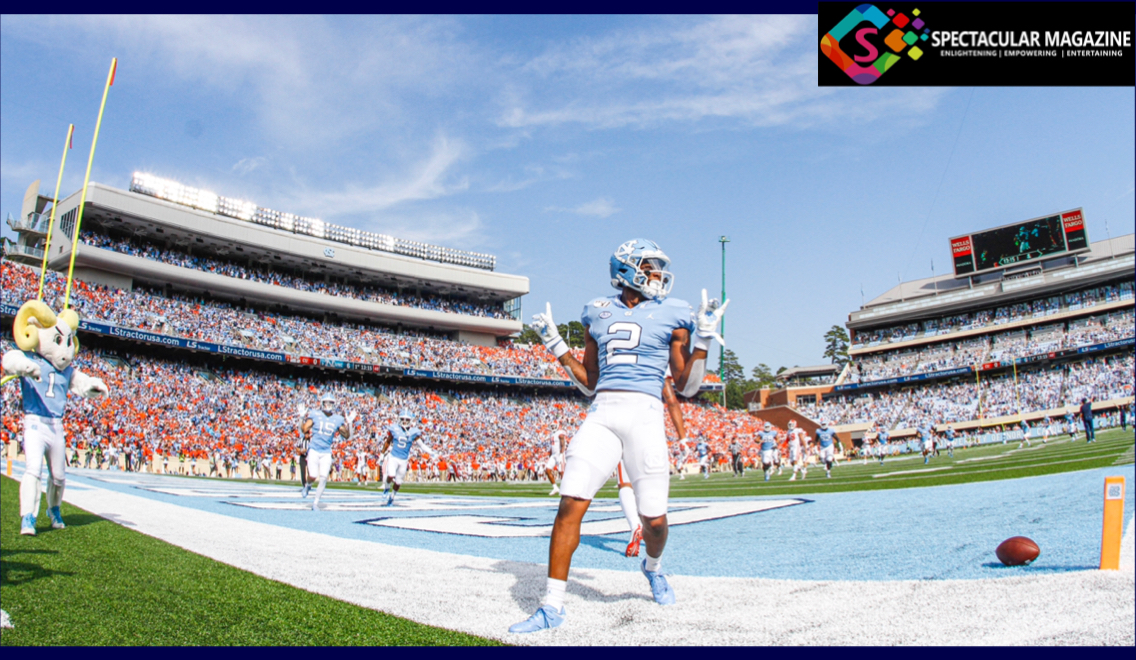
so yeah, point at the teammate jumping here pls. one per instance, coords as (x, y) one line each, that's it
(630, 339)
(554, 466)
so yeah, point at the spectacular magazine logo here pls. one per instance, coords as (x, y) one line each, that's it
(868, 42)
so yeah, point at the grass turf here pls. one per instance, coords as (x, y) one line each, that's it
(981, 463)
(98, 583)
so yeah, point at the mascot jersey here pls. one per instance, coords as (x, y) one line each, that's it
(402, 441)
(48, 396)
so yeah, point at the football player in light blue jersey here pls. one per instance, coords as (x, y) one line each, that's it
(46, 347)
(826, 437)
(702, 448)
(631, 338)
(401, 438)
(1026, 433)
(927, 437)
(882, 441)
(320, 429)
(768, 437)
(950, 442)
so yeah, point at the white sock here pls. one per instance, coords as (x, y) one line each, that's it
(653, 563)
(554, 593)
(630, 511)
(319, 489)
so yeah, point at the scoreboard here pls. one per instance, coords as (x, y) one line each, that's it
(1021, 242)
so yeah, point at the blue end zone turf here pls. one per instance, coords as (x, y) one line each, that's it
(940, 532)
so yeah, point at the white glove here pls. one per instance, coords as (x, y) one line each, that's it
(706, 321)
(351, 415)
(97, 387)
(87, 386)
(18, 364)
(301, 410)
(549, 334)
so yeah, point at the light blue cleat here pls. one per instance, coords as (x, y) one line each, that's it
(390, 499)
(544, 618)
(56, 518)
(307, 487)
(27, 525)
(660, 589)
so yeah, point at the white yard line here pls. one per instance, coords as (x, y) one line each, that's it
(484, 596)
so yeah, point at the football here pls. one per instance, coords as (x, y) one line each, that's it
(1017, 551)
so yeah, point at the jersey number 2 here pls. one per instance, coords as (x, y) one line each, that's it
(631, 342)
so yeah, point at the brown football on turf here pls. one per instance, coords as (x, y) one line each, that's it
(1017, 551)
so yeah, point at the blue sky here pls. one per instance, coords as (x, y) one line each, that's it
(548, 141)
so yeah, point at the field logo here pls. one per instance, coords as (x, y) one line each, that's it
(859, 33)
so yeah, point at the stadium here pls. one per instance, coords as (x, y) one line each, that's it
(212, 322)
(280, 369)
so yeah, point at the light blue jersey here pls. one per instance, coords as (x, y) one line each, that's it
(324, 428)
(925, 433)
(46, 397)
(635, 343)
(768, 439)
(825, 437)
(882, 437)
(402, 440)
(703, 449)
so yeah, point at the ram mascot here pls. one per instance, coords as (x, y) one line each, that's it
(47, 346)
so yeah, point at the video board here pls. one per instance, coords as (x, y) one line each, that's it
(1021, 242)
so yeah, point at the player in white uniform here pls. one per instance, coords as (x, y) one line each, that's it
(554, 464)
(320, 429)
(630, 339)
(797, 451)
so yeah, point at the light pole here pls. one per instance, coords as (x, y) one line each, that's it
(722, 349)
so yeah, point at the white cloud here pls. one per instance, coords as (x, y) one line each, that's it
(601, 208)
(308, 79)
(246, 165)
(752, 70)
(459, 229)
(429, 179)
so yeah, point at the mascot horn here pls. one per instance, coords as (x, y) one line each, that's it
(47, 346)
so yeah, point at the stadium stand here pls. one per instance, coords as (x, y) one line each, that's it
(986, 350)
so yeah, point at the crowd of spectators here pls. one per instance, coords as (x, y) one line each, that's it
(176, 416)
(1038, 308)
(986, 397)
(276, 277)
(1009, 345)
(220, 322)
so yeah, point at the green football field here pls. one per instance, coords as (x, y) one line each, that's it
(98, 583)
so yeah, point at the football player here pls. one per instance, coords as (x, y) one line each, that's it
(797, 451)
(401, 438)
(630, 338)
(768, 438)
(882, 438)
(1025, 428)
(950, 440)
(554, 465)
(320, 429)
(927, 437)
(825, 438)
(703, 451)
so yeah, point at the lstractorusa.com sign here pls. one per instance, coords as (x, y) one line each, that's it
(342, 365)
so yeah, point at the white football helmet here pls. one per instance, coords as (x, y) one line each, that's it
(406, 418)
(627, 268)
(327, 403)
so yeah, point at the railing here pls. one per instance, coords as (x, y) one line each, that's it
(35, 222)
